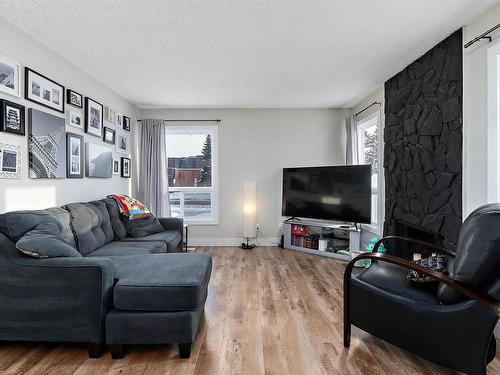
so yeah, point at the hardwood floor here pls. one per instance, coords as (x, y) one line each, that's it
(268, 311)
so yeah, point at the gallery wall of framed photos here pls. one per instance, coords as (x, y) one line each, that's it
(48, 104)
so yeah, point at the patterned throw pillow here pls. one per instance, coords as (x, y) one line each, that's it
(131, 208)
(436, 263)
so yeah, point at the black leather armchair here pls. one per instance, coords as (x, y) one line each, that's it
(450, 323)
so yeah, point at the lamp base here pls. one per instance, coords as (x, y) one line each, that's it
(246, 246)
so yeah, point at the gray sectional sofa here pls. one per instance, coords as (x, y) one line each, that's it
(74, 274)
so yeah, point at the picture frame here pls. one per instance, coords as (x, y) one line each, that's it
(122, 145)
(12, 117)
(73, 98)
(98, 161)
(10, 74)
(42, 90)
(119, 120)
(126, 123)
(116, 167)
(10, 161)
(109, 115)
(93, 117)
(109, 135)
(75, 119)
(46, 145)
(74, 155)
(125, 167)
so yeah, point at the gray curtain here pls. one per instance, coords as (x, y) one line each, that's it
(153, 171)
(351, 149)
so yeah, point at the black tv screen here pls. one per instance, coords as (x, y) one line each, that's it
(329, 193)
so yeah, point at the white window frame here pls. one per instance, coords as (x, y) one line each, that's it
(213, 130)
(361, 124)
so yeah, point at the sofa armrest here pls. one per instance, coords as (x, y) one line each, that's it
(73, 295)
(172, 223)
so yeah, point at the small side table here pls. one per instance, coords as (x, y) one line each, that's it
(186, 229)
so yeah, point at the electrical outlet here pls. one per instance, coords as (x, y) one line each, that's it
(258, 227)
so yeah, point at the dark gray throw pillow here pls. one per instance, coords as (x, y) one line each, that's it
(143, 227)
(45, 241)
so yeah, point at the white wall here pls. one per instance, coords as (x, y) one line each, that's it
(27, 193)
(476, 168)
(254, 145)
(475, 171)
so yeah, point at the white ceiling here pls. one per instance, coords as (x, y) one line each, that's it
(241, 54)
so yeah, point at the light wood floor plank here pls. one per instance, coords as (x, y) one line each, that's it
(268, 311)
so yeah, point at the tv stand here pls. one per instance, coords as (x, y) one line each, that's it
(335, 240)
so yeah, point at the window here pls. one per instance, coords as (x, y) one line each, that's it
(192, 173)
(368, 134)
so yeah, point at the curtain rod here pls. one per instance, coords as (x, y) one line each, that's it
(216, 120)
(482, 36)
(364, 109)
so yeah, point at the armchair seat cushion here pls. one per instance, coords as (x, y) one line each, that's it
(392, 279)
(171, 238)
(123, 248)
(162, 282)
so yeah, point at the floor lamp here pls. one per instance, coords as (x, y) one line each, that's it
(249, 213)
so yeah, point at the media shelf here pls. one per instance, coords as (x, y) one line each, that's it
(334, 240)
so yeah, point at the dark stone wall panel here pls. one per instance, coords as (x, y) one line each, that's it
(423, 143)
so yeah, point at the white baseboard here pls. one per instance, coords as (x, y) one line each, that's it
(230, 241)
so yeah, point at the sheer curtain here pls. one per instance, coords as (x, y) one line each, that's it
(153, 171)
(351, 149)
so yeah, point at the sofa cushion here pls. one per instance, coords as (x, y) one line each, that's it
(16, 224)
(115, 218)
(142, 227)
(161, 282)
(91, 225)
(392, 279)
(45, 241)
(117, 248)
(171, 238)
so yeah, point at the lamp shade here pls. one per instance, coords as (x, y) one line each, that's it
(249, 209)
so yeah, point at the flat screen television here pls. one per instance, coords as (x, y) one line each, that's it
(341, 193)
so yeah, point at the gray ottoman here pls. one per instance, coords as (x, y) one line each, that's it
(158, 300)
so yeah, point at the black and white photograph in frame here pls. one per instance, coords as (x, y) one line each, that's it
(12, 117)
(125, 172)
(116, 167)
(46, 145)
(98, 161)
(75, 119)
(122, 143)
(109, 136)
(126, 123)
(74, 98)
(119, 120)
(10, 161)
(10, 77)
(93, 117)
(43, 90)
(74, 155)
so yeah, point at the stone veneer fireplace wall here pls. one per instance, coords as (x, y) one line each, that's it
(423, 145)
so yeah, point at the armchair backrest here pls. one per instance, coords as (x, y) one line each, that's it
(477, 260)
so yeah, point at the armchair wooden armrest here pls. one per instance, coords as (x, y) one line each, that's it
(474, 295)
